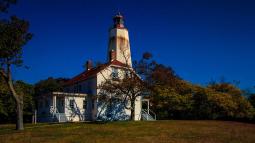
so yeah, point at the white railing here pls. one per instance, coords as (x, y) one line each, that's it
(53, 110)
(148, 115)
(61, 117)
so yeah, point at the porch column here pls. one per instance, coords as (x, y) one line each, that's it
(54, 103)
(64, 104)
(148, 106)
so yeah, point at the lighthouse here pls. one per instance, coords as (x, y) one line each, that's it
(119, 46)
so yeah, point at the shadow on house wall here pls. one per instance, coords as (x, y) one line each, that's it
(112, 111)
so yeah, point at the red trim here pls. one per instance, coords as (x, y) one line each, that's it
(89, 73)
(118, 63)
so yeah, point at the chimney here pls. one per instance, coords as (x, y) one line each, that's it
(112, 55)
(89, 65)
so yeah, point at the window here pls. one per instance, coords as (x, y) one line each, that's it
(80, 88)
(127, 74)
(66, 89)
(89, 91)
(75, 89)
(84, 104)
(115, 74)
(71, 103)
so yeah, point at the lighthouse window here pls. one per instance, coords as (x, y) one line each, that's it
(115, 74)
(127, 74)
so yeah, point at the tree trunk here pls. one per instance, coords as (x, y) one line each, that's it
(19, 113)
(132, 117)
(18, 98)
(19, 106)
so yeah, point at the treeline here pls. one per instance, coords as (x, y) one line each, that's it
(8, 105)
(171, 97)
(174, 98)
(29, 92)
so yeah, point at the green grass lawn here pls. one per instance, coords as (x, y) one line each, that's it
(138, 132)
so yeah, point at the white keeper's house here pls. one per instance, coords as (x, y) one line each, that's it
(79, 101)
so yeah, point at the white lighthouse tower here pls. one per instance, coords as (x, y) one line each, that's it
(119, 46)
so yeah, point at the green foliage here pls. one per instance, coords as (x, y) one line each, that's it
(7, 102)
(49, 85)
(14, 35)
(222, 106)
(225, 88)
(252, 99)
(4, 98)
(244, 108)
(27, 91)
(169, 104)
(238, 106)
(175, 98)
(200, 107)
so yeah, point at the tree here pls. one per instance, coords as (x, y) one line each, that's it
(233, 100)
(252, 99)
(14, 35)
(7, 102)
(5, 4)
(170, 96)
(168, 104)
(49, 85)
(125, 89)
(225, 87)
(4, 99)
(28, 93)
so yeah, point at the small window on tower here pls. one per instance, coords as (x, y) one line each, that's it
(115, 73)
(127, 74)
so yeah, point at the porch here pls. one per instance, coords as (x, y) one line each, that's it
(146, 113)
(62, 107)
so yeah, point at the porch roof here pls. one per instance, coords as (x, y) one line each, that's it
(69, 94)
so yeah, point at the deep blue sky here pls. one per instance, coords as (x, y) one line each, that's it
(200, 39)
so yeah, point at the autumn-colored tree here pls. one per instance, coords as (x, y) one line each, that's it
(169, 94)
(168, 104)
(236, 105)
(174, 98)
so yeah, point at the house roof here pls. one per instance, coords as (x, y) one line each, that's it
(62, 94)
(90, 73)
